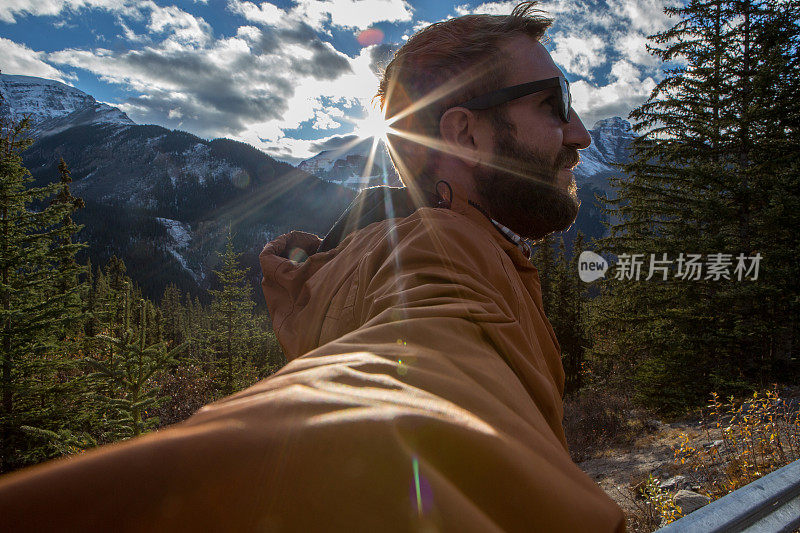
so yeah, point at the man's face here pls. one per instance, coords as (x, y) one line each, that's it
(524, 188)
(527, 184)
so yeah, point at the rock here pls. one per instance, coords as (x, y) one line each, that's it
(652, 424)
(715, 444)
(674, 483)
(690, 501)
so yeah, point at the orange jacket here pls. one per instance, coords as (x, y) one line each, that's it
(423, 392)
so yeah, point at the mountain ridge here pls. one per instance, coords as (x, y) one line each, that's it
(163, 200)
(53, 106)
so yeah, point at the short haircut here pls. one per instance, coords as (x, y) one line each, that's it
(463, 56)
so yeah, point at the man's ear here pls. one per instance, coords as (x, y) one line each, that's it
(464, 135)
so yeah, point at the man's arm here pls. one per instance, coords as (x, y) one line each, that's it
(414, 420)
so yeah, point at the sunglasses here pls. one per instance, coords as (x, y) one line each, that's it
(506, 94)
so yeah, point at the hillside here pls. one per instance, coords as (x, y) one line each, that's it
(163, 200)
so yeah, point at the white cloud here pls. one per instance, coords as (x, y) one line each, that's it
(248, 33)
(323, 121)
(487, 8)
(11, 9)
(580, 55)
(645, 16)
(319, 14)
(131, 35)
(250, 87)
(265, 13)
(627, 89)
(358, 14)
(183, 27)
(633, 46)
(19, 59)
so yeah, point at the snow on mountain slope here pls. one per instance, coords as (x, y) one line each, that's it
(54, 106)
(611, 141)
(346, 166)
(181, 236)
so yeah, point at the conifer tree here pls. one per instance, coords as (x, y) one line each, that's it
(130, 375)
(570, 317)
(173, 315)
(544, 259)
(68, 271)
(232, 335)
(702, 181)
(38, 282)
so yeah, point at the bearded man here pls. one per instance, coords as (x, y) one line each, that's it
(424, 386)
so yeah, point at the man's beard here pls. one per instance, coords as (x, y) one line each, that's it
(521, 187)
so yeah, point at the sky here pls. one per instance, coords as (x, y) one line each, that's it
(295, 77)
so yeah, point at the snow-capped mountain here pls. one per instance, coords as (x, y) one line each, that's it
(347, 165)
(163, 201)
(611, 141)
(53, 106)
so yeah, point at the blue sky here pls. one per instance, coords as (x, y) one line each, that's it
(293, 77)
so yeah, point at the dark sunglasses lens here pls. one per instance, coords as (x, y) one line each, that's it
(566, 100)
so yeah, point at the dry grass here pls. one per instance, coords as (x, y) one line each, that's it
(595, 420)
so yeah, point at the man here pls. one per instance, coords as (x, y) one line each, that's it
(423, 391)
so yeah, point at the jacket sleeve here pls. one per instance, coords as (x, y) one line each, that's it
(418, 419)
(442, 328)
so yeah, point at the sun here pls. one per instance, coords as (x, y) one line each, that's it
(373, 125)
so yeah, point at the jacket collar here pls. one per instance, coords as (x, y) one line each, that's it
(375, 204)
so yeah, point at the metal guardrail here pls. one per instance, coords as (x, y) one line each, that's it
(768, 504)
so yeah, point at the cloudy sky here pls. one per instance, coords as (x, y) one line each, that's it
(292, 77)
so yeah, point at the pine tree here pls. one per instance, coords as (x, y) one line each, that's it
(544, 259)
(68, 271)
(174, 315)
(38, 306)
(130, 376)
(572, 334)
(232, 335)
(702, 181)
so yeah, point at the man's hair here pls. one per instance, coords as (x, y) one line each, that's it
(443, 65)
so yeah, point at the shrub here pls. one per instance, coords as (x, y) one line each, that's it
(596, 419)
(747, 440)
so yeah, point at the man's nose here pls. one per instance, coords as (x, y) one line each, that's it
(575, 133)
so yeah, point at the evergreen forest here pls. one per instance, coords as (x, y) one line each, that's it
(706, 294)
(86, 358)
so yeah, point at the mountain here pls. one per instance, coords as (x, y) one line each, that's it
(611, 140)
(53, 106)
(350, 167)
(164, 200)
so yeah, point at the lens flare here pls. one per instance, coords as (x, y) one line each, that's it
(370, 36)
